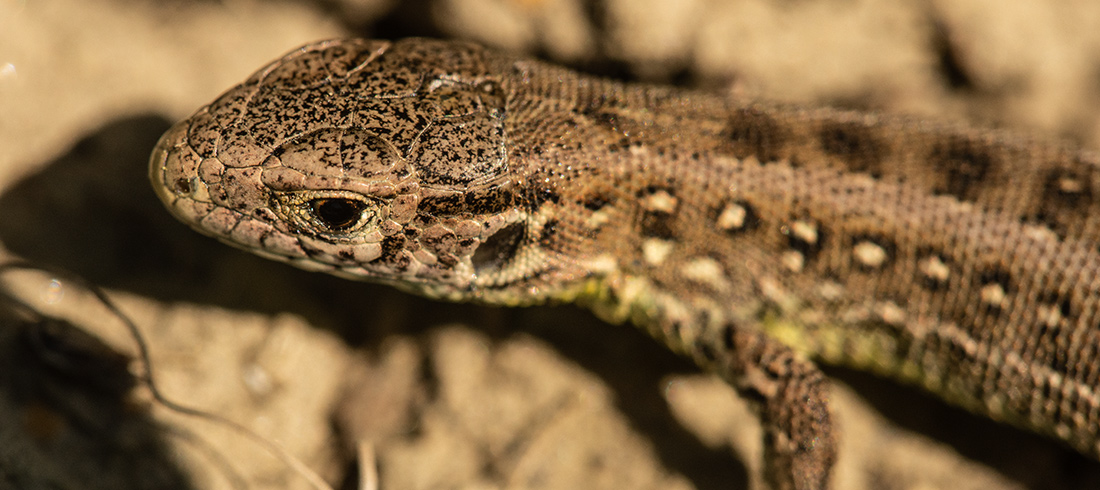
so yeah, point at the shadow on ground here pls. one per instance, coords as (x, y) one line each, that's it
(68, 422)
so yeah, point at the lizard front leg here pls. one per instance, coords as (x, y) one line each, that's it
(788, 393)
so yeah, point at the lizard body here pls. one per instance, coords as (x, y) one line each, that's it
(748, 236)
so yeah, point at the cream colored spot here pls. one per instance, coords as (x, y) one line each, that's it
(1050, 315)
(805, 231)
(869, 254)
(656, 251)
(707, 271)
(603, 263)
(830, 290)
(774, 291)
(639, 150)
(891, 313)
(630, 291)
(792, 260)
(732, 217)
(993, 294)
(934, 268)
(660, 201)
(1070, 185)
(1039, 233)
(1063, 431)
(597, 219)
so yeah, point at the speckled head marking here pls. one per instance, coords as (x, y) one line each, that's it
(367, 159)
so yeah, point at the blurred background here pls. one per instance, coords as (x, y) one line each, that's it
(449, 396)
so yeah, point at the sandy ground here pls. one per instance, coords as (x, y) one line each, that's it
(448, 396)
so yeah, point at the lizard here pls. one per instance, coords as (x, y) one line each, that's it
(757, 239)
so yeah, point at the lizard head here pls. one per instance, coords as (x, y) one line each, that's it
(367, 159)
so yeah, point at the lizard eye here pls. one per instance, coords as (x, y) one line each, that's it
(332, 214)
(337, 214)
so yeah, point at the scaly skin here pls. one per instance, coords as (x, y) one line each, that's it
(747, 236)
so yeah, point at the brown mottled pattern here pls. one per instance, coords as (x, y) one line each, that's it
(749, 236)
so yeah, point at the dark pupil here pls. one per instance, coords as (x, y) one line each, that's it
(337, 214)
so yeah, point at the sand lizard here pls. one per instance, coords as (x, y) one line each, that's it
(752, 237)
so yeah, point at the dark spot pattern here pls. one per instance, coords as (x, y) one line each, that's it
(494, 200)
(854, 145)
(546, 195)
(752, 132)
(656, 224)
(549, 234)
(963, 164)
(607, 120)
(391, 245)
(596, 202)
(446, 205)
(476, 139)
(1067, 195)
(996, 275)
(1068, 189)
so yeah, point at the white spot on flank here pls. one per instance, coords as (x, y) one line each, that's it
(597, 219)
(934, 268)
(830, 290)
(1050, 315)
(804, 231)
(891, 313)
(660, 201)
(1063, 431)
(869, 254)
(707, 271)
(732, 217)
(604, 263)
(656, 251)
(630, 292)
(993, 294)
(793, 260)
(1039, 233)
(1069, 185)
(772, 290)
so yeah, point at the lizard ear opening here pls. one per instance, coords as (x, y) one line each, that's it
(499, 249)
